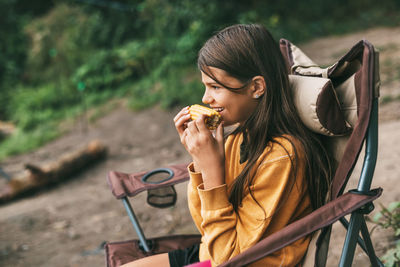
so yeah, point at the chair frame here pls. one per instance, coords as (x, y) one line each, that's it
(357, 220)
(354, 226)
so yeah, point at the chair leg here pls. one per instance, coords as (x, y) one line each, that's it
(352, 237)
(360, 241)
(350, 242)
(375, 262)
(136, 224)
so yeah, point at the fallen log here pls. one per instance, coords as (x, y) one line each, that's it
(36, 177)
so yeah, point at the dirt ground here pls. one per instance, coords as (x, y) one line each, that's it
(66, 225)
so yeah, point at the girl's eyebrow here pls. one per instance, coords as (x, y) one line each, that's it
(209, 83)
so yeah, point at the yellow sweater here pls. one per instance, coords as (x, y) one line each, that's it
(226, 233)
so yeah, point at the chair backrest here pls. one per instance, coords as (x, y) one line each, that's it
(354, 81)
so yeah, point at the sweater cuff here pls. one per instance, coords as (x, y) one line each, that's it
(195, 177)
(214, 198)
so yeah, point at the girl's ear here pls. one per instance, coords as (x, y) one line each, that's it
(259, 86)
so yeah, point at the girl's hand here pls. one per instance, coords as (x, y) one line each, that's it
(181, 119)
(206, 150)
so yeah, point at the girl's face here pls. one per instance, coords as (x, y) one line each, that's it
(234, 107)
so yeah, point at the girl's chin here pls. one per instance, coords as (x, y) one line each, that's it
(228, 123)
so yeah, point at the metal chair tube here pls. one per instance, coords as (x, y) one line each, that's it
(136, 224)
(364, 185)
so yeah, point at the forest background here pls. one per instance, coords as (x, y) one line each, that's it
(59, 58)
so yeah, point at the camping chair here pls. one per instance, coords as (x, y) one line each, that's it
(340, 103)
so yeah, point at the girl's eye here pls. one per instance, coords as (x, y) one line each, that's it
(215, 87)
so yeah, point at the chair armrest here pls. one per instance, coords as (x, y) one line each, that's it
(128, 185)
(320, 218)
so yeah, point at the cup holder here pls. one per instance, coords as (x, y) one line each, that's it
(158, 176)
(162, 197)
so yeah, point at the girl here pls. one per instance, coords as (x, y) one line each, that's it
(270, 171)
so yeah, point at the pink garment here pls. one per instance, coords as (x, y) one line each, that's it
(200, 264)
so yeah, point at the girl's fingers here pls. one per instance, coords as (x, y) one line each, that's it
(181, 123)
(200, 123)
(219, 135)
(192, 127)
(181, 113)
(183, 138)
(181, 120)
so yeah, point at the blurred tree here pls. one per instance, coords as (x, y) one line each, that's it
(12, 51)
(143, 49)
(107, 44)
(13, 44)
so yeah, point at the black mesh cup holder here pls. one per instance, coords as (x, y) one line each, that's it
(163, 197)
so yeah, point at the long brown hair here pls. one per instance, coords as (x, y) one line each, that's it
(245, 51)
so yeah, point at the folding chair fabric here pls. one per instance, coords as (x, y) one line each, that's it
(119, 253)
(318, 106)
(129, 185)
(318, 219)
(357, 72)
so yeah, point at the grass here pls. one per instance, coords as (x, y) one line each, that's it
(42, 125)
(21, 142)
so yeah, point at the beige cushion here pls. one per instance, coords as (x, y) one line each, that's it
(318, 106)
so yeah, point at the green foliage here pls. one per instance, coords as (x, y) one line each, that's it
(60, 42)
(37, 111)
(179, 86)
(153, 63)
(392, 256)
(21, 141)
(61, 57)
(108, 69)
(181, 89)
(390, 218)
(12, 51)
(31, 107)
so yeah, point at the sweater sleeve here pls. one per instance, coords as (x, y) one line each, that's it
(226, 232)
(193, 196)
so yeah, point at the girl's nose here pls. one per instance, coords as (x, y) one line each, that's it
(207, 99)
